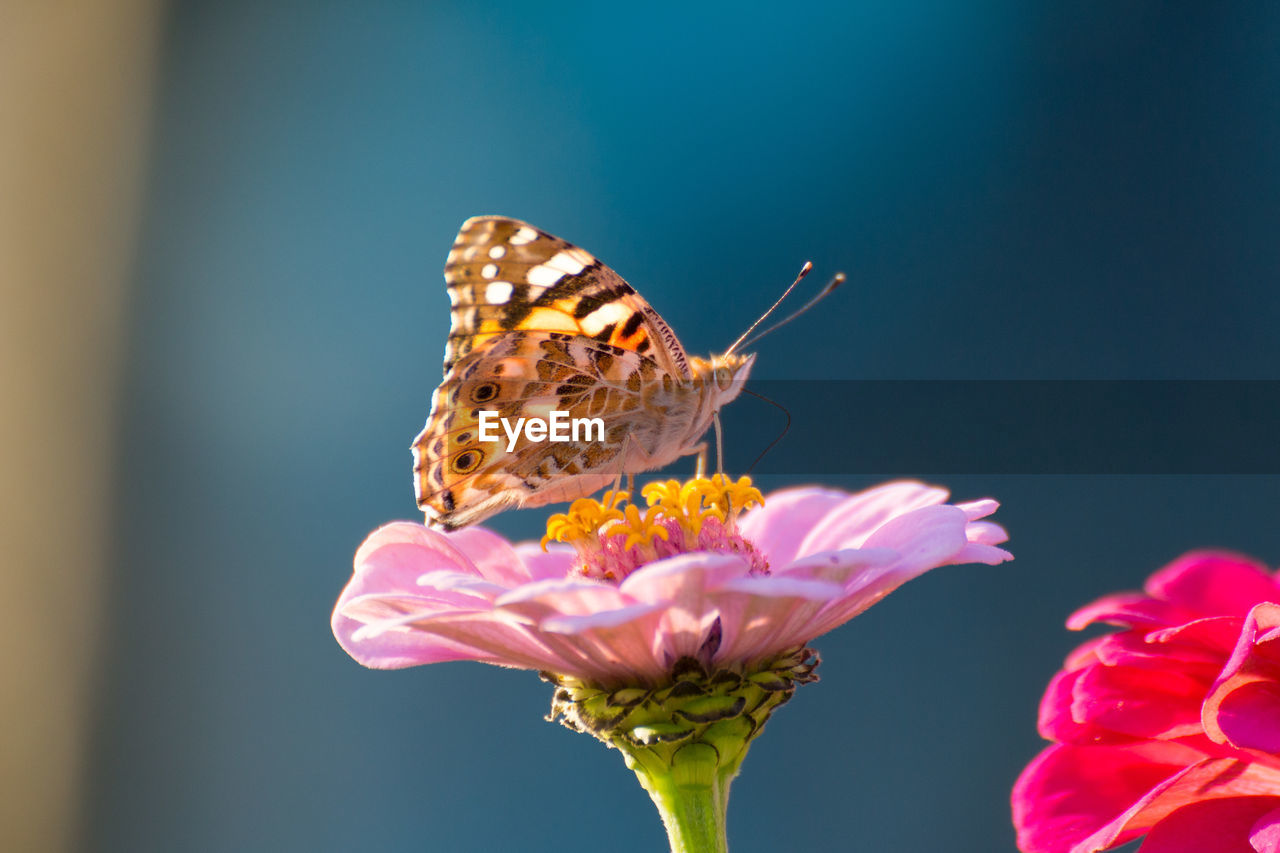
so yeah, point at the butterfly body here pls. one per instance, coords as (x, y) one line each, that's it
(540, 326)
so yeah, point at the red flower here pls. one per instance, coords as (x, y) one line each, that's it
(1170, 728)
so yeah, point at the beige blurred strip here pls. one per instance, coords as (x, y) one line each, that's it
(76, 82)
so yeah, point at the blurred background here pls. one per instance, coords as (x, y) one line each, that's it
(221, 234)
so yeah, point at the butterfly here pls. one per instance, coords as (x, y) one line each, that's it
(540, 326)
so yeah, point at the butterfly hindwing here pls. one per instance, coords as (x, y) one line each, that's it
(521, 375)
(539, 325)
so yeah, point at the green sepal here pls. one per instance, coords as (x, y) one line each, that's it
(685, 739)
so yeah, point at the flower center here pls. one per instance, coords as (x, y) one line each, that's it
(614, 538)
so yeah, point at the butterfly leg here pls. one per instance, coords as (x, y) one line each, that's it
(719, 445)
(622, 464)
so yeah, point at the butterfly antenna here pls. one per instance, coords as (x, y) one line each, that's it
(786, 427)
(804, 271)
(836, 280)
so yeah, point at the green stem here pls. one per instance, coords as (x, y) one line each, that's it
(691, 798)
(694, 817)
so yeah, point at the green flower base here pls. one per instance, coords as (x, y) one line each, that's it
(686, 740)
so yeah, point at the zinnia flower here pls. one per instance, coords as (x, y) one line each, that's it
(671, 634)
(1170, 728)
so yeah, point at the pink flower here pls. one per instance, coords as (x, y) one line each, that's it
(1170, 728)
(621, 608)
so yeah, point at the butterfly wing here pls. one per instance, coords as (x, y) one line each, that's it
(538, 325)
(505, 275)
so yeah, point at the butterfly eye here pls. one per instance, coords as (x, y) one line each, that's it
(484, 392)
(467, 461)
(723, 376)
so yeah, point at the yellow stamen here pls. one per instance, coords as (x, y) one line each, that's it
(733, 498)
(585, 518)
(640, 530)
(683, 503)
(689, 504)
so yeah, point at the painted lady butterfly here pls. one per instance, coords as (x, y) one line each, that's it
(539, 325)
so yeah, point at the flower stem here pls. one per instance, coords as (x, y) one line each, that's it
(691, 798)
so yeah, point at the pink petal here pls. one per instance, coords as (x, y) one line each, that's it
(1246, 717)
(617, 648)
(1204, 639)
(385, 585)
(466, 590)
(594, 625)
(392, 557)
(393, 649)
(496, 638)
(786, 587)
(1058, 722)
(924, 538)
(983, 536)
(793, 605)
(850, 523)
(1138, 702)
(1211, 779)
(1215, 583)
(493, 556)
(1131, 609)
(683, 584)
(779, 527)
(865, 588)
(539, 599)
(985, 532)
(683, 579)
(1264, 835)
(838, 566)
(1180, 652)
(763, 615)
(573, 606)
(974, 510)
(921, 540)
(1086, 653)
(1212, 826)
(1244, 704)
(977, 552)
(555, 562)
(1067, 793)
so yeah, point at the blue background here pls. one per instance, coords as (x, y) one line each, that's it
(1025, 191)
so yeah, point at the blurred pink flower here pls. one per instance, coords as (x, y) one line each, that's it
(1170, 728)
(806, 562)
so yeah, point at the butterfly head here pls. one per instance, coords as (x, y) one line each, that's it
(722, 375)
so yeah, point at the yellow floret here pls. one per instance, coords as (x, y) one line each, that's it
(689, 504)
(585, 518)
(683, 503)
(733, 498)
(640, 530)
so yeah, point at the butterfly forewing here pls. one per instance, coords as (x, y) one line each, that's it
(505, 275)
